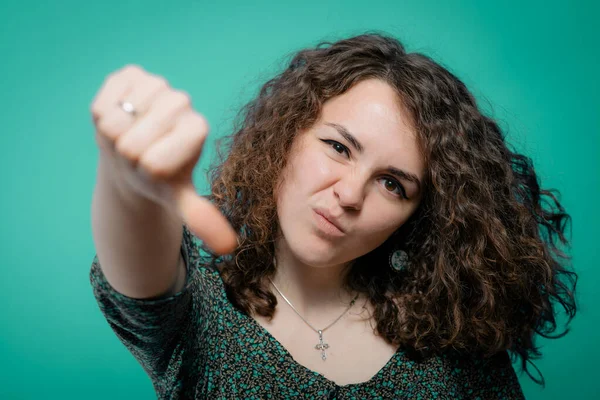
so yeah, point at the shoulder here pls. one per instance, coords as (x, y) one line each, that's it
(486, 377)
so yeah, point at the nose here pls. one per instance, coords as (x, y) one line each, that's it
(350, 191)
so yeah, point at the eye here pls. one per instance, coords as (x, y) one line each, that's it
(338, 147)
(392, 185)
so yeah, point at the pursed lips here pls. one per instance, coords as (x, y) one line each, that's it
(330, 218)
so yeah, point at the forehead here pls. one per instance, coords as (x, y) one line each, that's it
(372, 111)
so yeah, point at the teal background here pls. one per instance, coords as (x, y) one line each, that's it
(533, 65)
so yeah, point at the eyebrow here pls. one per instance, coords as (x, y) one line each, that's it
(359, 147)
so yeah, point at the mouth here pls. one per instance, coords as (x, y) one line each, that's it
(327, 226)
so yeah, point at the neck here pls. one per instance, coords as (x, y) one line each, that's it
(315, 291)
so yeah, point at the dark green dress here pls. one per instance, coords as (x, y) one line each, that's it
(196, 345)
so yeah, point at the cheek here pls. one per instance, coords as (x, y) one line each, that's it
(384, 227)
(382, 221)
(312, 170)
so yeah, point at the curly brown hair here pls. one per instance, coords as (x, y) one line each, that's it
(484, 266)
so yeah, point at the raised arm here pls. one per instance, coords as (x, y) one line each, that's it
(150, 139)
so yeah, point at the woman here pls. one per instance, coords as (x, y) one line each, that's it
(368, 235)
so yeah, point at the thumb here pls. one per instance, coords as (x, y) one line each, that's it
(204, 219)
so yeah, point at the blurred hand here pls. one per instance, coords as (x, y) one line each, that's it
(152, 152)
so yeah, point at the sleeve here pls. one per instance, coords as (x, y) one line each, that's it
(151, 329)
(490, 378)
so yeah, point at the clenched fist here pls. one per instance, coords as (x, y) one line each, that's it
(152, 139)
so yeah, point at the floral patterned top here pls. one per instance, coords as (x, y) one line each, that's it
(197, 345)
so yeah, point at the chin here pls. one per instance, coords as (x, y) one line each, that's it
(310, 249)
(313, 255)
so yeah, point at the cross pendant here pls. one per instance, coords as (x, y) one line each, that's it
(322, 346)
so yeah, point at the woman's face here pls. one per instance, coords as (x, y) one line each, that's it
(346, 167)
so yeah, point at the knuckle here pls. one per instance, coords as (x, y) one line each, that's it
(107, 127)
(110, 126)
(121, 148)
(132, 69)
(159, 82)
(111, 78)
(127, 70)
(103, 127)
(126, 150)
(200, 124)
(126, 73)
(182, 97)
(153, 168)
(95, 109)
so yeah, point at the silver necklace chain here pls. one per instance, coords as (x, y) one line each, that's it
(321, 345)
